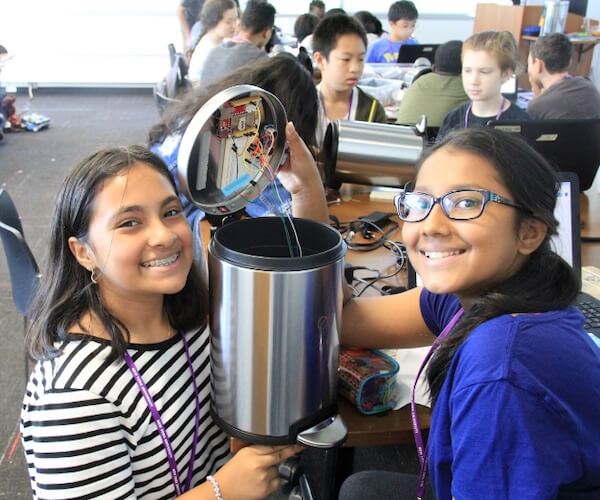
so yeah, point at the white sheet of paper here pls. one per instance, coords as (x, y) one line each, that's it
(410, 361)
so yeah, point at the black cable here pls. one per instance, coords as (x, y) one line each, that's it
(379, 279)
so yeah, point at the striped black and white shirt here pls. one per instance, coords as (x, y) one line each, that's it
(87, 430)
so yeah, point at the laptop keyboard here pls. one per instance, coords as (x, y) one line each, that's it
(590, 308)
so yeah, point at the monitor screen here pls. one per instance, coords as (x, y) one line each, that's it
(562, 242)
(578, 7)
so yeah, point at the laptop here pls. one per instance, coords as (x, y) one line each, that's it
(410, 53)
(569, 145)
(567, 243)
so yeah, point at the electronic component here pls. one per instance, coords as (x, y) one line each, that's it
(239, 117)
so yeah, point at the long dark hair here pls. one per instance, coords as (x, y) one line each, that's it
(66, 292)
(545, 282)
(212, 12)
(281, 75)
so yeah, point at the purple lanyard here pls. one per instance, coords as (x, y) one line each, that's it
(471, 106)
(349, 104)
(161, 426)
(421, 450)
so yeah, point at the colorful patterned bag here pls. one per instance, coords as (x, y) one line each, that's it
(367, 378)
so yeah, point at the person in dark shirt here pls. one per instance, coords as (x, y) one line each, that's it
(557, 93)
(489, 59)
(317, 8)
(188, 12)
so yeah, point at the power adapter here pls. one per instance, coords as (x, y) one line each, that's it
(374, 221)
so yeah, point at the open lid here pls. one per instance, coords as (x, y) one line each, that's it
(232, 149)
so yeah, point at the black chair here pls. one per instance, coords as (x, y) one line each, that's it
(175, 82)
(8, 212)
(22, 266)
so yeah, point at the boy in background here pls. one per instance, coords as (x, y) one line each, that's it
(317, 8)
(402, 17)
(339, 44)
(438, 92)
(557, 93)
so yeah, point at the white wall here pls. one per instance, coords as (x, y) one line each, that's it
(124, 42)
(70, 42)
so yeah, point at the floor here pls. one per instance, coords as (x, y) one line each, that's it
(32, 166)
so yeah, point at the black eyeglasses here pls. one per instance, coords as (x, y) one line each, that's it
(462, 204)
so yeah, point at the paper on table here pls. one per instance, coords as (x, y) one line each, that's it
(410, 361)
(590, 281)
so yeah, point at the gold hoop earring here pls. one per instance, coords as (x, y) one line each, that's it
(94, 277)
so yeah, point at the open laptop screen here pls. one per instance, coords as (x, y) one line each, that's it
(567, 242)
(410, 53)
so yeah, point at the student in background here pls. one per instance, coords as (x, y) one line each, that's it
(317, 8)
(247, 46)
(188, 13)
(118, 403)
(304, 26)
(335, 12)
(372, 26)
(489, 59)
(340, 43)
(402, 17)
(515, 379)
(219, 20)
(281, 75)
(558, 94)
(435, 93)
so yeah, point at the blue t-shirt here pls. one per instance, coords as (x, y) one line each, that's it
(518, 415)
(274, 199)
(386, 51)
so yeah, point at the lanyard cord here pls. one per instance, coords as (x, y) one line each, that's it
(418, 435)
(161, 426)
(500, 111)
(349, 104)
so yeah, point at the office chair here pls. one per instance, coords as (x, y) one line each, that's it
(8, 212)
(23, 269)
(167, 91)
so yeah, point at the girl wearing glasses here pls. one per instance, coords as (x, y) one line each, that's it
(489, 59)
(514, 380)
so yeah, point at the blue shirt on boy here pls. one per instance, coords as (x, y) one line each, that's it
(518, 414)
(386, 51)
